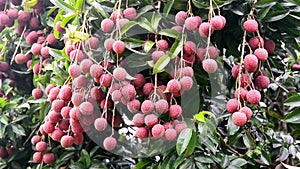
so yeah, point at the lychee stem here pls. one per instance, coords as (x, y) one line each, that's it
(126, 4)
(240, 67)
(113, 121)
(219, 11)
(18, 45)
(190, 11)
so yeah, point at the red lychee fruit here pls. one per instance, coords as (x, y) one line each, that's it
(37, 93)
(105, 80)
(66, 141)
(128, 91)
(35, 139)
(261, 54)
(147, 106)
(162, 45)
(118, 47)
(235, 71)
(20, 59)
(250, 63)
(192, 23)
(57, 134)
(246, 80)
(256, 42)
(156, 55)
(189, 48)
(177, 28)
(37, 157)
(175, 111)
(173, 86)
(45, 52)
(253, 96)
(65, 112)
(247, 111)
(186, 71)
(48, 158)
(232, 105)
(86, 108)
(138, 120)
(81, 81)
(78, 138)
(151, 120)
(139, 80)
(242, 92)
(251, 25)
(141, 132)
(53, 93)
(130, 13)
(107, 25)
(239, 119)
(65, 93)
(134, 106)
(12, 14)
(54, 117)
(180, 18)
(213, 52)
(85, 65)
(269, 45)
(48, 127)
(204, 29)
(116, 15)
(59, 28)
(161, 106)
(51, 39)
(148, 89)
(209, 65)
(74, 113)
(157, 130)
(108, 44)
(36, 49)
(57, 105)
(109, 143)
(41, 146)
(262, 82)
(116, 95)
(4, 67)
(217, 23)
(179, 127)
(96, 71)
(120, 74)
(77, 99)
(36, 69)
(3, 152)
(186, 83)
(170, 134)
(93, 43)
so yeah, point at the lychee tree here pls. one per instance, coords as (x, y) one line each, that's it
(149, 84)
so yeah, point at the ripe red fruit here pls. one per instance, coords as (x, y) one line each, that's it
(48, 158)
(209, 65)
(120, 74)
(134, 106)
(75, 113)
(36, 69)
(186, 83)
(186, 71)
(12, 14)
(217, 23)
(100, 124)
(24, 16)
(31, 37)
(269, 45)
(242, 92)
(139, 80)
(158, 130)
(239, 118)
(78, 138)
(161, 106)
(81, 81)
(64, 124)
(57, 134)
(3, 152)
(4, 67)
(54, 117)
(130, 13)
(141, 132)
(36, 49)
(148, 89)
(177, 28)
(97, 93)
(48, 127)
(86, 108)
(65, 93)
(162, 45)
(57, 105)
(53, 93)
(250, 63)
(41, 146)
(151, 120)
(261, 54)
(96, 71)
(213, 52)
(253, 96)
(251, 25)
(107, 25)
(173, 86)
(109, 143)
(204, 29)
(189, 48)
(35, 139)
(192, 23)
(175, 111)
(93, 43)
(116, 95)
(262, 82)
(170, 134)
(74, 70)
(105, 80)
(256, 42)
(37, 93)
(4, 19)
(147, 106)
(179, 127)
(156, 55)
(37, 157)
(180, 18)
(85, 65)
(116, 15)
(232, 105)
(118, 47)
(128, 91)
(247, 111)
(138, 120)
(45, 52)
(59, 28)
(20, 59)
(108, 43)
(66, 141)
(77, 99)
(77, 55)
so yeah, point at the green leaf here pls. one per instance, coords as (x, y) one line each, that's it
(232, 128)
(170, 33)
(284, 154)
(238, 162)
(18, 129)
(55, 53)
(168, 7)
(176, 48)
(67, 19)
(143, 164)
(293, 100)
(144, 23)
(127, 26)
(183, 140)
(144, 10)
(63, 5)
(161, 64)
(204, 159)
(264, 11)
(156, 17)
(86, 157)
(79, 5)
(100, 9)
(192, 144)
(293, 117)
(248, 141)
(148, 46)
(276, 16)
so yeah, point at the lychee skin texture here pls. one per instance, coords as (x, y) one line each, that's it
(66, 141)
(170, 134)
(37, 93)
(147, 106)
(139, 80)
(209, 65)
(118, 47)
(247, 111)
(85, 65)
(105, 80)
(261, 54)
(37, 157)
(100, 124)
(256, 42)
(108, 43)
(243, 93)
(161, 106)
(158, 130)
(35, 139)
(36, 49)
(65, 93)
(109, 143)
(173, 86)
(130, 13)
(156, 55)
(151, 120)
(217, 23)
(175, 111)
(41, 146)
(253, 97)
(177, 28)
(59, 28)
(96, 71)
(186, 71)
(232, 105)
(48, 158)
(74, 70)
(213, 52)
(162, 45)
(239, 119)
(57, 134)
(134, 106)
(186, 83)
(204, 29)
(120, 74)
(57, 105)
(93, 43)
(138, 120)
(189, 48)
(141, 132)
(251, 63)
(180, 18)
(86, 108)
(77, 99)
(107, 25)
(148, 88)
(192, 23)
(179, 127)
(262, 82)
(116, 95)
(269, 45)
(251, 26)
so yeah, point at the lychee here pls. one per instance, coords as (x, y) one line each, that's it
(256, 42)
(48, 158)
(173, 86)
(20, 59)
(77, 55)
(139, 80)
(189, 48)
(45, 52)
(57, 105)
(192, 23)
(156, 55)
(186, 83)
(51, 39)
(81, 81)
(250, 63)
(128, 91)
(118, 47)
(247, 111)
(116, 15)
(108, 44)
(77, 99)
(37, 157)
(120, 74)
(261, 54)
(161, 106)
(251, 25)
(148, 89)
(96, 71)
(48, 127)
(253, 96)
(151, 120)
(93, 43)
(53, 93)
(141, 132)
(105, 80)
(179, 127)
(109, 143)
(175, 111)
(35, 139)
(158, 130)
(269, 45)
(57, 134)
(65, 112)
(209, 65)
(66, 141)
(65, 93)
(213, 52)
(86, 108)
(232, 105)
(138, 120)
(177, 28)
(262, 82)
(85, 65)
(217, 23)
(116, 95)
(54, 117)
(242, 92)
(130, 13)
(41, 146)
(162, 45)
(37, 93)
(239, 119)
(107, 25)
(59, 28)
(170, 134)
(204, 29)
(36, 49)
(134, 106)
(180, 18)
(147, 106)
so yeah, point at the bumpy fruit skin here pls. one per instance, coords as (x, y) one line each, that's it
(256, 42)
(77, 99)
(65, 93)
(120, 74)
(246, 80)
(217, 22)
(105, 80)
(85, 65)
(100, 124)
(4, 67)
(66, 141)
(57, 134)
(173, 86)
(269, 45)
(86, 108)
(253, 97)
(177, 28)
(148, 89)
(3, 152)
(139, 80)
(175, 111)
(232, 105)
(189, 48)
(262, 82)
(118, 47)
(128, 91)
(158, 130)
(186, 71)
(108, 43)
(36, 49)
(77, 55)
(251, 26)
(35, 139)
(162, 45)
(93, 43)
(147, 106)
(239, 119)
(192, 23)
(20, 59)
(204, 29)
(186, 83)
(141, 132)
(138, 120)
(156, 55)
(250, 63)
(130, 13)
(242, 92)
(116, 95)
(59, 28)
(209, 65)
(41, 146)
(134, 106)
(151, 120)
(48, 158)
(96, 71)
(170, 134)
(261, 54)
(109, 143)
(37, 93)
(213, 52)
(161, 106)
(180, 18)
(57, 105)
(37, 157)
(180, 126)
(107, 25)
(247, 111)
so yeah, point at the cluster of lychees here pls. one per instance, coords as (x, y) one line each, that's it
(249, 75)
(5, 152)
